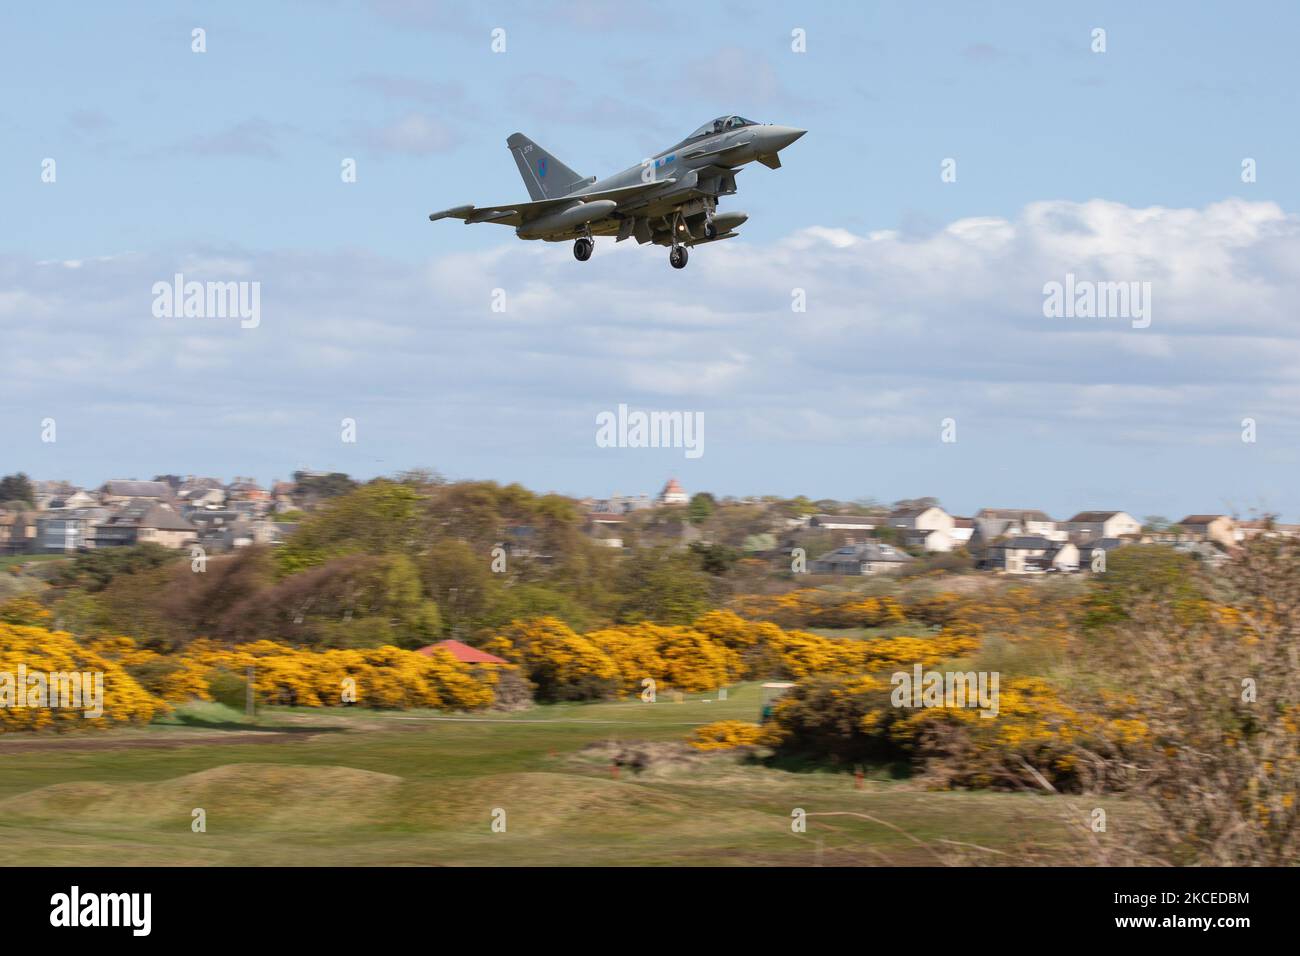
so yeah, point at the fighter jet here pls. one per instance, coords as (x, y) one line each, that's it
(670, 199)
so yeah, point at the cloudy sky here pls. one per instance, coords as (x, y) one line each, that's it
(924, 297)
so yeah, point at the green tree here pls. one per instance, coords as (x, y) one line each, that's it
(663, 586)
(17, 487)
(701, 507)
(1135, 574)
(382, 517)
(95, 570)
(714, 559)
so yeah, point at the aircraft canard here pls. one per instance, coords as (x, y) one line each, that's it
(670, 199)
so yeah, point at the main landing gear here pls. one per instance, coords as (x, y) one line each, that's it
(583, 248)
(710, 207)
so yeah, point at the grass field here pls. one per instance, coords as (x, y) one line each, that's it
(304, 787)
(9, 560)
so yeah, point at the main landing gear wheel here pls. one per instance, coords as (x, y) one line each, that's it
(678, 257)
(583, 248)
(710, 230)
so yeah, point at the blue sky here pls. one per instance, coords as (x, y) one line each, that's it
(1122, 165)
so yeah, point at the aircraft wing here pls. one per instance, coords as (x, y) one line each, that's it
(516, 214)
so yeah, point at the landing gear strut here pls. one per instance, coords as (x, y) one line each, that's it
(678, 256)
(710, 230)
(583, 248)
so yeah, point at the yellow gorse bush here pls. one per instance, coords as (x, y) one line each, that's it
(381, 677)
(814, 607)
(33, 650)
(730, 734)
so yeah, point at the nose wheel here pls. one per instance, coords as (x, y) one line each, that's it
(678, 256)
(583, 248)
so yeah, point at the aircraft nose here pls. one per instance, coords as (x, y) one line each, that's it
(779, 137)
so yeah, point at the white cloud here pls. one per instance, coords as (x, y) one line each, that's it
(899, 333)
(413, 134)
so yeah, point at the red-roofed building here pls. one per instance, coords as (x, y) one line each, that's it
(462, 652)
(673, 494)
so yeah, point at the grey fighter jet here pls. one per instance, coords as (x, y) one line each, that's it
(670, 199)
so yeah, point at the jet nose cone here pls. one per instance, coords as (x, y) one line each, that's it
(782, 136)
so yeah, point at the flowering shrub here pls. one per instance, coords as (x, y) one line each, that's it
(814, 607)
(34, 650)
(731, 734)
(561, 663)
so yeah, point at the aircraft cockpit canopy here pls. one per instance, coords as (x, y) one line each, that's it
(721, 125)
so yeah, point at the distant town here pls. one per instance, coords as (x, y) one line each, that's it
(818, 537)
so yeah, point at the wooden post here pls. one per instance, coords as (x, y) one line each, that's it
(249, 707)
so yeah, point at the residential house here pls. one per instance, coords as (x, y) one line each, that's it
(618, 504)
(216, 529)
(248, 497)
(66, 530)
(1088, 525)
(44, 492)
(961, 531)
(282, 497)
(78, 499)
(1031, 554)
(932, 518)
(145, 524)
(201, 492)
(1094, 552)
(861, 523)
(927, 539)
(121, 491)
(870, 557)
(1217, 529)
(21, 538)
(1024, 521)
(12, 532)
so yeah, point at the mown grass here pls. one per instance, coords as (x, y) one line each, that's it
(332, 786)
(9, 560)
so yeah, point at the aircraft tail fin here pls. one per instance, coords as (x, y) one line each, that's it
(544, 175)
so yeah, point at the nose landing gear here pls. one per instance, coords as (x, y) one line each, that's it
(678, 255)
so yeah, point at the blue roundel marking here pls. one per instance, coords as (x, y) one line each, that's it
(541, 168)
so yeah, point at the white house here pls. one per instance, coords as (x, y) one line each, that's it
(932, 518)
(1087, 525)
(1032, 554)
(961, 531)
(928, 539)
